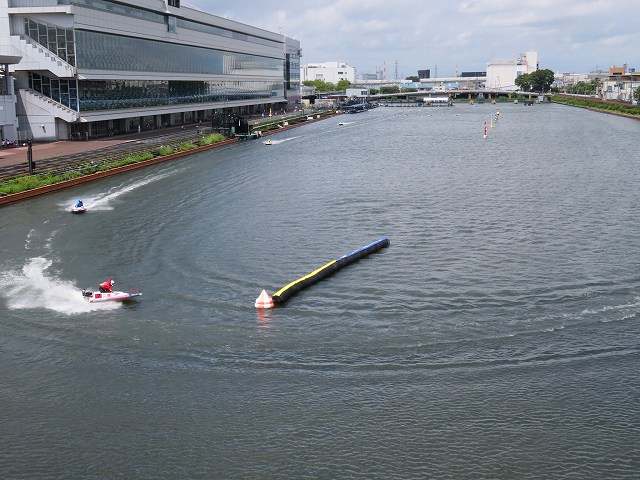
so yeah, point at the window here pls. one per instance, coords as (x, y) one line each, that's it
(174, 3)
(171, 24)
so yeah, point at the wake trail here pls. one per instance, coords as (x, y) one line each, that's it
(32, 286)
(102, 201)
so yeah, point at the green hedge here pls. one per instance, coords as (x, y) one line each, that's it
(29, 182)
(595, 104)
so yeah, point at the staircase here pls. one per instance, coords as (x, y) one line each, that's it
(35, 101)
(37, 57)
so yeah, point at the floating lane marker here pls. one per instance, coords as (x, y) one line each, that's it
(282, 295)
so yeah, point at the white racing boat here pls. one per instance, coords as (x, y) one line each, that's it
(93, 297)
(75, 209)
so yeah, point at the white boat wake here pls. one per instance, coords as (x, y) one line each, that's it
(33, 286)
(276, 142)
(102, 201)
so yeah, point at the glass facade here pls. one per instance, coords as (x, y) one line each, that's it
(292, 71)
(219, 79)
(101, 51)
(122, 94)
(94, 95)
(55, 39)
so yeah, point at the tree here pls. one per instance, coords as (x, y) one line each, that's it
(390, 89)
(637, 94)
(541, 80)
(320, 85)
(538, 81)
(413, 78)
(524, 82)
(343, 85)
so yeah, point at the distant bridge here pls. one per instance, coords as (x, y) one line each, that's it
(488, 94)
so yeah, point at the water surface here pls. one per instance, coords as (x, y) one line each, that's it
(496, 337)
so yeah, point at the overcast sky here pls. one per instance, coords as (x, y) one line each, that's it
(574, 36)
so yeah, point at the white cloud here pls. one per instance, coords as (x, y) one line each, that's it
(569, 35)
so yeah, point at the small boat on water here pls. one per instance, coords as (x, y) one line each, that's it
(340, 123)
(78, 207)
(268, 142)
(95, 297)
(75, 209)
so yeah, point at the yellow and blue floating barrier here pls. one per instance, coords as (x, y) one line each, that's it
(282, 295)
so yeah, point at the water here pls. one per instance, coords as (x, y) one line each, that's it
(496, 337)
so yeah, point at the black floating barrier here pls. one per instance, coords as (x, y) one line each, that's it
(330, 268)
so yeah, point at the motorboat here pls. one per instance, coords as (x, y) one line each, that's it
(340, 123)
(75, 209)
(115, 296)
(268, 142)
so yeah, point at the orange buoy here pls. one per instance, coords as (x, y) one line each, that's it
(264, 300)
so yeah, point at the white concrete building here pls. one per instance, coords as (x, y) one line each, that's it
(501, 74)
(357, 92)
(328, 72)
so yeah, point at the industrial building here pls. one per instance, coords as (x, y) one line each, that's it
(78, 69)
(329, 72)
(501, 74)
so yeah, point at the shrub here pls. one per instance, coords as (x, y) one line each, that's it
(186, 146)
(212, 138)
(162, 151)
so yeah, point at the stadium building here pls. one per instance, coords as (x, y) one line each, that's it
(79, 69)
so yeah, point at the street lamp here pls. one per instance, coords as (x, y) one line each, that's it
(30, 162)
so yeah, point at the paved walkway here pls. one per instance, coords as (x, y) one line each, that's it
(18, 155)
(41, 151)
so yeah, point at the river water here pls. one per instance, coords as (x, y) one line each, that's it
(496, 337)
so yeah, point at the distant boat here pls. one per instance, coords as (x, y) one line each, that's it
(340, 123)
(268, 142)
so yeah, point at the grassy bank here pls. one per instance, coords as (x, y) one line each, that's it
(28, 182)
(596, 104)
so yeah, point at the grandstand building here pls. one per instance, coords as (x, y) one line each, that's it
(78, 69)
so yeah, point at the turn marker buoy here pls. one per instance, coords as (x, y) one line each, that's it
(264, 300)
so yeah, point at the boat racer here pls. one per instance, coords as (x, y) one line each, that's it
(106, 287)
